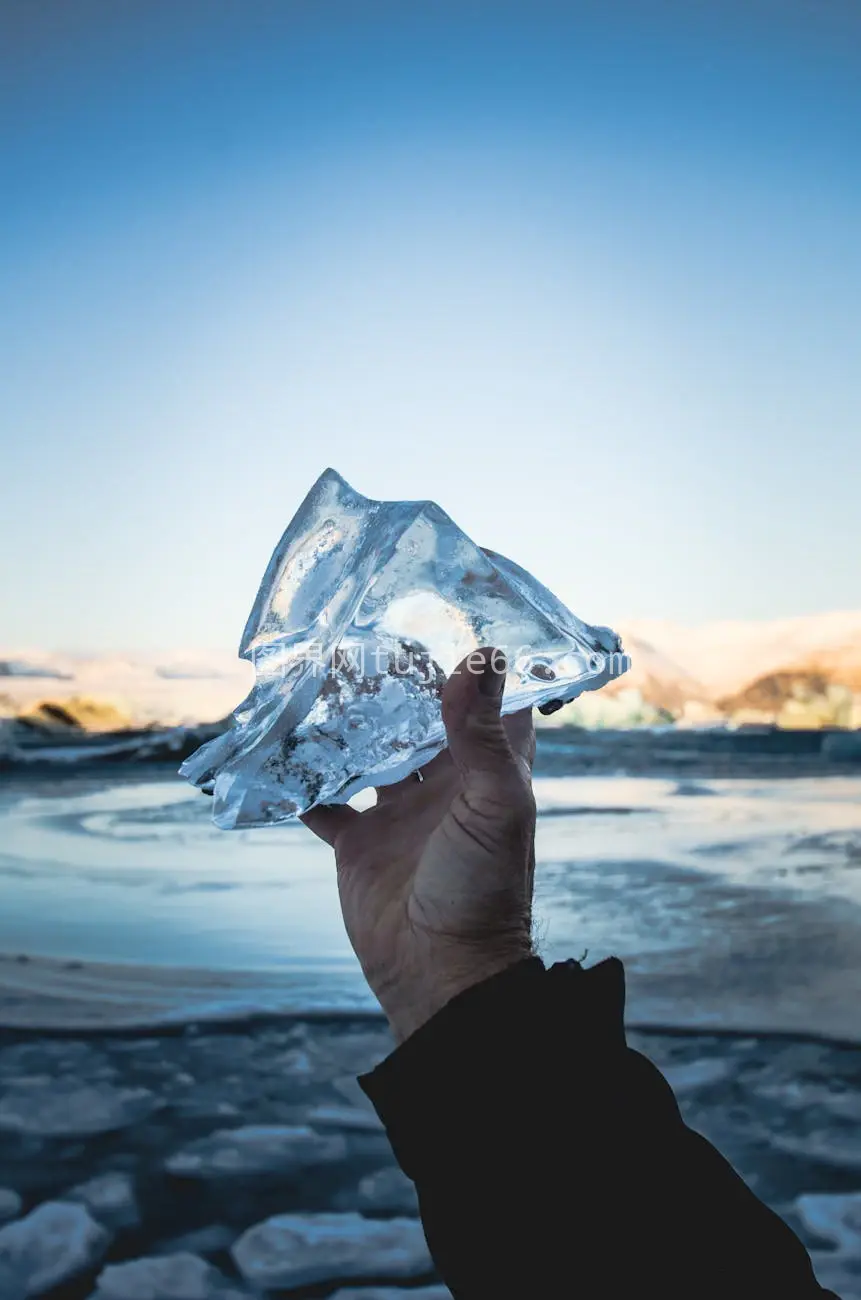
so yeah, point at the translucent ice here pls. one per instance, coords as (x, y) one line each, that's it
(364, 610)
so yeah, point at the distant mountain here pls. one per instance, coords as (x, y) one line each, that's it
(839, 665)
(798, 672)
(659, 678)
(75, 714)
(21, 668)
(171, 689)
(725, 656)
(821, 690)
(191, 672)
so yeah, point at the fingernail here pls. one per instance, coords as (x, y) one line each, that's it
(552, 707)
(492, 680)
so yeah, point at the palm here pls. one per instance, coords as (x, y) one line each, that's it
(442, 865)
(382, 857)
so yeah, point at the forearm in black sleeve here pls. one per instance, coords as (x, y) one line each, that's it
(551, 1160)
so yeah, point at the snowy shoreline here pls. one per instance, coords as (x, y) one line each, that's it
(47, 995)
(51, 997)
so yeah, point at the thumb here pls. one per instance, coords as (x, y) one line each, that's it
(471, 704)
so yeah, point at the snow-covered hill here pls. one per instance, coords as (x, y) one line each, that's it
(798, 672)
(726, 656)
(170, 689)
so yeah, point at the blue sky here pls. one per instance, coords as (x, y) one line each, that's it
(587, 275)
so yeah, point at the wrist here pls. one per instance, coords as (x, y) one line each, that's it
(410, 1003)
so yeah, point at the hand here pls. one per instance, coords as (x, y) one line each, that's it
(436, 879)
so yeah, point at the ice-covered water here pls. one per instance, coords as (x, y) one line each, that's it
(733, 902)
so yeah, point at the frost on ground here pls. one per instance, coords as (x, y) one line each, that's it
(171, 1277)
(251, 1164)
(110, 1198)
(256, 1149)
(53, 1243)
(292, 1250)
(836, 1218)
(62, 1108)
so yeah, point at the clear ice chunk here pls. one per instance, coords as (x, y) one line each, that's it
(365, 608)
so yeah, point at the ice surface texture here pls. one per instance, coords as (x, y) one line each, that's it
(364, 610)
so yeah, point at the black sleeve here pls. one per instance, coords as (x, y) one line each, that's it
(551, 1160)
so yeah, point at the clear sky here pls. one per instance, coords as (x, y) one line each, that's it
(587, 275)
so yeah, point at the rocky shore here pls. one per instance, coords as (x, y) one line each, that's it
(222, 1162)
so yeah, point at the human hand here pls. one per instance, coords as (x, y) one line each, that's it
(436, 879)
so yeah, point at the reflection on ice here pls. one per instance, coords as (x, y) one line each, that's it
(801, 834)
(720, 884)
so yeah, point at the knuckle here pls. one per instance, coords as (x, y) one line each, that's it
(510, 799)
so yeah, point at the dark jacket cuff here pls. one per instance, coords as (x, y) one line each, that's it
(492, 1031)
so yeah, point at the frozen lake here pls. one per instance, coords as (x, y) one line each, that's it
(734, 903)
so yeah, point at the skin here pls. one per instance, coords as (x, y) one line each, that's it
(435, 880)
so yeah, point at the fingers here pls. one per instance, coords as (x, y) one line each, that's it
(438, 771)
(471, 704)
(328, 821)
